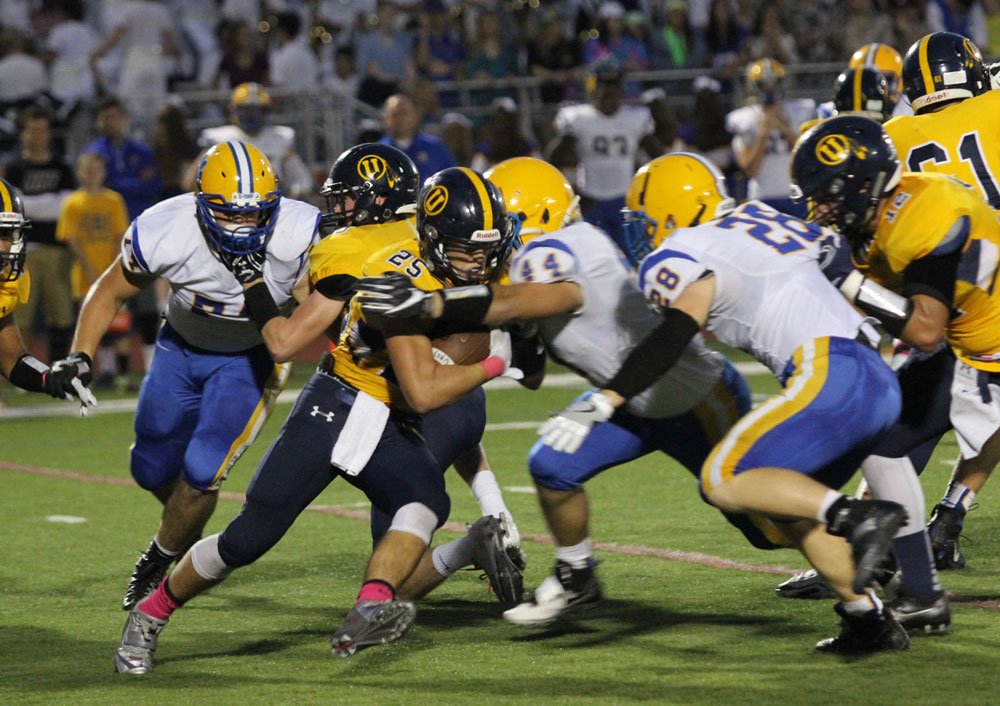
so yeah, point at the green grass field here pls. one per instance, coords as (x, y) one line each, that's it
(672, 631)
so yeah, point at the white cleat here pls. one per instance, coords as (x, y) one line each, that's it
(139, 640)
(553, 598)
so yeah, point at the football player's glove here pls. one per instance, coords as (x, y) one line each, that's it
(246, 266)
(69, 377)
(566, 430)
(501, 347)
(835, 258)
(393, 294)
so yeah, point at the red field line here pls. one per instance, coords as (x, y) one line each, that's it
(715, 562)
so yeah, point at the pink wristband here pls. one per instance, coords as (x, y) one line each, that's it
(494, 366)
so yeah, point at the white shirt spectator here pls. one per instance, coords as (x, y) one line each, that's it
(72, 42)
(294, 65)
(22, 76)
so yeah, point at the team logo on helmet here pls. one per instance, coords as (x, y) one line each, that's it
(372, 168)
(835, 149)
(435, 200)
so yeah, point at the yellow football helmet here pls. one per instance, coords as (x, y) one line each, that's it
(249, 104)
(237, 197)
(677, 190)
(887, 60)
(765, 80)
(537, 193)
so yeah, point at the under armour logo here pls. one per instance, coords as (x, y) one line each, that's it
(316, 413)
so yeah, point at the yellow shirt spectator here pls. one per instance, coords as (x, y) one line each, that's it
(92, 223)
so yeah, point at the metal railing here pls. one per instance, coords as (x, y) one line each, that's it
(327, 122)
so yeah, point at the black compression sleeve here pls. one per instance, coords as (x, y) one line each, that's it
(655, 355)
(28, 373)
(466, 306)
(260, 304)
(336, 286)
(934, 276)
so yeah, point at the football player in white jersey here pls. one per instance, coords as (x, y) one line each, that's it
(600, 141)
(572, 280)
(765, 131)
(213, 381)
(248, 112)
(752, 279)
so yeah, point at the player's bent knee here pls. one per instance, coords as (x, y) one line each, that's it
(207, 560)
(552, 472)
(417, 519)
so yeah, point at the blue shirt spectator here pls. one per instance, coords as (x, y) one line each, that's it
(131, 166)
(429, 153)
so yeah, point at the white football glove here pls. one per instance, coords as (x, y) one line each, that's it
(994, 72)
(566, 430)
(501, 347)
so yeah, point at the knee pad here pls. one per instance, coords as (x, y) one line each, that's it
(416, 519)
(207, 561)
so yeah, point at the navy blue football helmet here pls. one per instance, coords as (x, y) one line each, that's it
(843, 167)
(380, 180)
(943, 67)
(12, 227)
(863, 91)
(459, 210)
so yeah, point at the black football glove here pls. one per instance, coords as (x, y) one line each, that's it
(69, 377)
(393, 294)
(246, 267)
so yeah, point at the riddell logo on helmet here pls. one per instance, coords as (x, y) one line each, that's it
(238, 199)
(485, 236)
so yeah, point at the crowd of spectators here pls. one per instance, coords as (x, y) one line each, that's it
(102, 77)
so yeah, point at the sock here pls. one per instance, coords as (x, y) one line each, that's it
(913, 552)
(449, 558)
(160, 603)
(167, 554)
(863, 605)
(958, 496)
(577, 556)
(376, 590)
(832, 503)
(487, 491)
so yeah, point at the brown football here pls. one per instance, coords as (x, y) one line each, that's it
(461, 348)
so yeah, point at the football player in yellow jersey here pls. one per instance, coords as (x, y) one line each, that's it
(17, 365)
(358, 420)
(953, 131)
(934, 241)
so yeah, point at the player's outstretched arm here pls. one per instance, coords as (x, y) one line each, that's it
(394, 295)
(105, 298)
(287, 336)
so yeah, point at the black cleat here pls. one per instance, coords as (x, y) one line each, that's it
(489, 552)
(869, 526)
(567, 590)
(915, 614)
(943, 529)
(864, 634)
(146, 577)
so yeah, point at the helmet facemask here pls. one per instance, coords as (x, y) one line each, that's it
(247, 223)
(12, 226)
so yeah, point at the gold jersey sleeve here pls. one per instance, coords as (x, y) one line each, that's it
(13, 294)
(345, 251)
(361, 358)
(962, 140)
(924, 208)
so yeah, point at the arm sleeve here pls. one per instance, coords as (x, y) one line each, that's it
(655, 355)
(935, 273)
